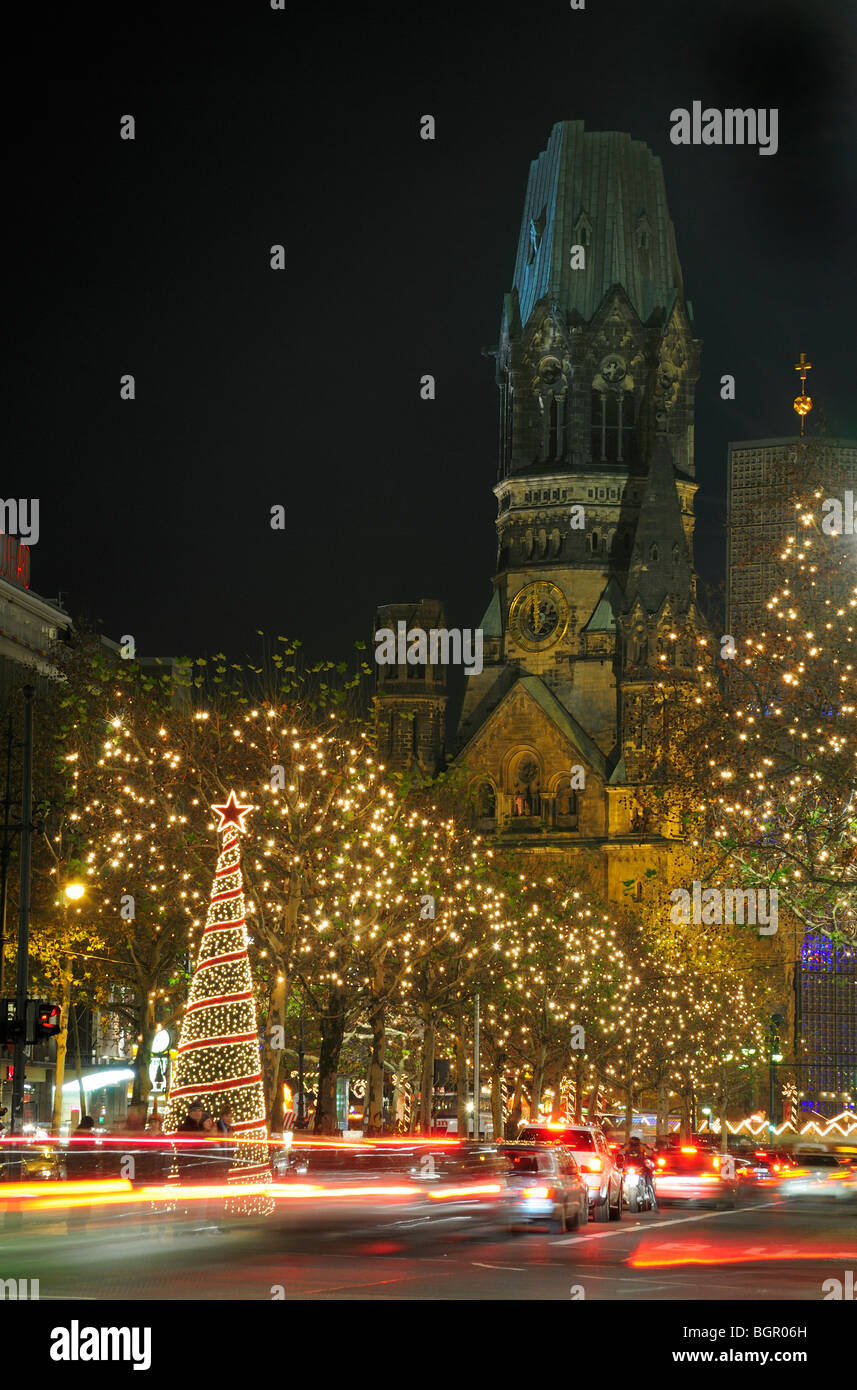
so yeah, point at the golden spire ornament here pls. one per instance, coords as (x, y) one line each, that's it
(803, 402)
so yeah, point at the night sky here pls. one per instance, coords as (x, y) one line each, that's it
(301, 387)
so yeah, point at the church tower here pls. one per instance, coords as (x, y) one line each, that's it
(596, 365)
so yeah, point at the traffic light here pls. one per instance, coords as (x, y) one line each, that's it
(11, 1027)
(48, 1020)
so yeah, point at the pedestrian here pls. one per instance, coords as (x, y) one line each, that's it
(189, 1152)
(225, 1128)
(226, 1121)
(192, 1122)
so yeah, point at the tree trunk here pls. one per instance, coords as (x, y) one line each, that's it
(497, 1102)
(427, 1078)
(722, 1110)
(375, 1089)
(553, 1079)
(578, 1088)
(78, 1067)
(663, 1121)
(517, 1106)
(62, 1043)
(538, 1084)
(629, 1107)
(686, 1128)
(142, 1081)
(461, 1074)
(272, 1057)
(332, 1034)
(592, 1113)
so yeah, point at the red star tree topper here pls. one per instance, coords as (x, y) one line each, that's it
(218, 1052)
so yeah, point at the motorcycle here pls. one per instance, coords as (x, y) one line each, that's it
(639, 1183)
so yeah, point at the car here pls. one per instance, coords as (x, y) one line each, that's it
(690, 1174)
(818, 1175)
(402, 1187)
(601, 1173)
(753, 1173)
(545, 1185)
(29, 1162)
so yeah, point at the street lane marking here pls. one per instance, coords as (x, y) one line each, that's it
(620, 1230)
(519, 1269)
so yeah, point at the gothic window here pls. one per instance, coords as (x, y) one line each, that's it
(654, 554)
(417, 673)
(486, 802)
(675, 552)
(567, 805)
(556, 542)
(612, 426)
(553, 429)
(593, 542)
(636, 724)
(583, 231)
(526, 789)
(543, 544)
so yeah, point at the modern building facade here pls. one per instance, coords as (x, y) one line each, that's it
(764, 479)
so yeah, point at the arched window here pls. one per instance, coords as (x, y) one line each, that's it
(553, 429)
(654, 554)
(612, 426)
(526, 788)
(486, 802)
(567, 805)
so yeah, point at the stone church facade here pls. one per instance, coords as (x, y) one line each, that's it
(595, 591)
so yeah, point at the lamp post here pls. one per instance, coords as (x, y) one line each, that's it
(774, 1056)
(476, 1077)
(22, 982)
(300, 1118)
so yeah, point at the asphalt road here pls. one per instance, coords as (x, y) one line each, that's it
(766, 1250)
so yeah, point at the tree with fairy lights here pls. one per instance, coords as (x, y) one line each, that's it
(784, 759)
(218, 1053)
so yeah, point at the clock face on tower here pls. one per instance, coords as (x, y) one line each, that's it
(538, 616)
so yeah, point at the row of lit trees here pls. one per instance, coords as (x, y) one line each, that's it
(367, 907)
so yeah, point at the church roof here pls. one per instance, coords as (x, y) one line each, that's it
(565, 722)
(609, 604)
(613, 188)
(492, 622)
(660, 565)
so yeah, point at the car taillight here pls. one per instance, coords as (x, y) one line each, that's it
(538, 1192)
(592, 1165)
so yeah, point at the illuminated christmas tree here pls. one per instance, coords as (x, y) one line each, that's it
(218, 1062)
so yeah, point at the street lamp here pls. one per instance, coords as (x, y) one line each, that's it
(74, 891)
(774, 1055)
